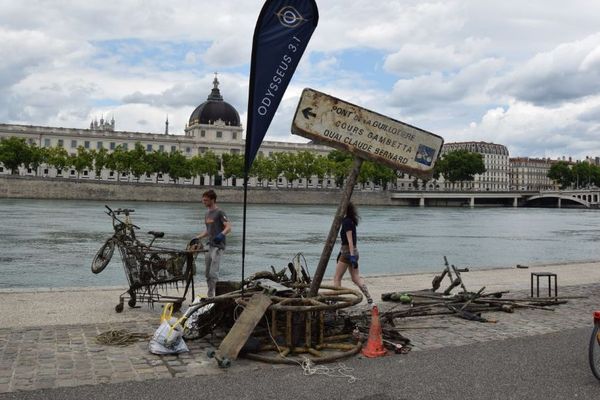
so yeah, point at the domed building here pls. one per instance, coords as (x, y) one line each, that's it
(216, 122)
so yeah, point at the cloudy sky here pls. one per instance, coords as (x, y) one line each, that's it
(525, 74)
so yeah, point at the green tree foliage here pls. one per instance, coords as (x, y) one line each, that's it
(306, 165)
(84, 159)
(285, 164)
(264, 169)
(58, 157)
(39, 156)
(15, 152)
(179, 166)
(579, 175)
(341, 162)
(100, 160)
(138, 161)
(459, 166)
(233, 165)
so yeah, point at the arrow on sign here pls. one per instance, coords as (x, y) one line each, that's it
(307, 113)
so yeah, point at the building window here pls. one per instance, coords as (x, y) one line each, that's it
(73, 144)
(46, 142)
(61, 143)
(234, 135)
(85, 173)
(59, 172)
(219, 135)
(202, 133)
(173, 149)
(148, 148)
(45, 171)
(124, 146)
(113, 145)
(99, 145)
(188, 150)
(86, 144)
(161, 147)
(202, 150)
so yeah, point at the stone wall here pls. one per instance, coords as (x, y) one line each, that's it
(21, 187)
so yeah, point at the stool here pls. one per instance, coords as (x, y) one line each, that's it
(549, 275)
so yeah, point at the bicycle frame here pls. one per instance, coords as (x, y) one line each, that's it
(147, 268)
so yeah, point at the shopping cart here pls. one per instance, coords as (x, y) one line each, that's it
(150, 270)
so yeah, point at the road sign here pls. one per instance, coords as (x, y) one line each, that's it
(365, 133)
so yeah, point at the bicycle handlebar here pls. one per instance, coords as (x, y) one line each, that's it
(114, 213)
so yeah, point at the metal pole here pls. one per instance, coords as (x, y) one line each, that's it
(244, 227)
(335, 226)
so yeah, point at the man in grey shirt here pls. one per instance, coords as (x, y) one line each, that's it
(217, 227)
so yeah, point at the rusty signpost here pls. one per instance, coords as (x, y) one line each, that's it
(367, 135)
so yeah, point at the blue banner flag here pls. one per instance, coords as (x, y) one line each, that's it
(282, 32)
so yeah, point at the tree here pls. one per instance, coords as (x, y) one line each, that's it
(82, 160)
(459, 166)
(305, 164)
(179, 166)
(581, 174)
(15, 152)
(340, 167)
(138, 161)
(58, 157)
(119, 161)
(100, 160)
(561, 173)
(264, 168)
(39, 156)
(285, 165)
(233, 166)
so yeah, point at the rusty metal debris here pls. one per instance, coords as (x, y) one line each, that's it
(294, 328)
(464, 304)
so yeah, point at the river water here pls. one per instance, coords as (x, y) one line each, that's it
(48, 243)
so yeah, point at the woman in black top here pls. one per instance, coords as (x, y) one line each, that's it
(348, 256)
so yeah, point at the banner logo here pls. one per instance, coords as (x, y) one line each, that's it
(290, 17)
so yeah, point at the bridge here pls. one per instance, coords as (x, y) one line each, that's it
(555, 199)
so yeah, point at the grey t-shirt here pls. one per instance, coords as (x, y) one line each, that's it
(215, 223)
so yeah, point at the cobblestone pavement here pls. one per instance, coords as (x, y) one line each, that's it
(68, 355)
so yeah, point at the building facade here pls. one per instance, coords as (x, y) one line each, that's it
(531, 174)
(497, 166)
(213, 126)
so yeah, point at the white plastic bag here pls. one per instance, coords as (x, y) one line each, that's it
(168, 338)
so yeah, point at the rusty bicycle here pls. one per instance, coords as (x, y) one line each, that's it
(594, 349)
(148, 268)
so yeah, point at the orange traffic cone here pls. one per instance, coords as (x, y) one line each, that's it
(374, 347)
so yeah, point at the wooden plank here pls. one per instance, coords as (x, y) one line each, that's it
(240, 331)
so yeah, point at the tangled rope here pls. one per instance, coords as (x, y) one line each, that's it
(121, 337)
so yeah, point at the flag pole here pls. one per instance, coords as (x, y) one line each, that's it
(244, 227)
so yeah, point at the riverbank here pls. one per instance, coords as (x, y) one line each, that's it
(22, 308)
(29, 187)
(47, 337)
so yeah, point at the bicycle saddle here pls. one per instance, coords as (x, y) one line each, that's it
(156, 234)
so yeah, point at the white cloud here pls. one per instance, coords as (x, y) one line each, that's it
(567, 72)
(526, 73)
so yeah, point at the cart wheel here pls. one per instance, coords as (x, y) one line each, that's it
(132, 298)
(210, 353)
(176, 306)
(224, 363)
(119, 307)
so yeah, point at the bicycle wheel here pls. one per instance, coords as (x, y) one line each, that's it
(103, 256)
(595, 351)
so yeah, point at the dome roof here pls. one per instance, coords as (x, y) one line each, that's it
(214, 109)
